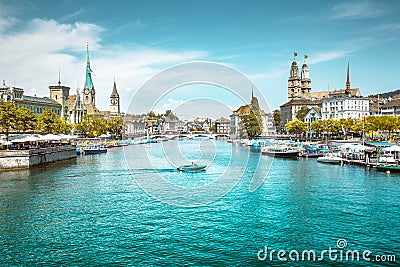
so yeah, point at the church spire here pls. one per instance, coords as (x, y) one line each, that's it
(114, 91)
(348, 76)
(89, 81)
(59, 76)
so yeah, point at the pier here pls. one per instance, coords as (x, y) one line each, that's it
(23, 159)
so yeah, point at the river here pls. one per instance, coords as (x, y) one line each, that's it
(131, 207)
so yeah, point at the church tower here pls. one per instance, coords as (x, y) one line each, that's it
(114, 102)
(305, 79)
(60, 94)
(88, 89)
(294, 89)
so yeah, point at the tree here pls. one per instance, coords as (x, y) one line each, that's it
(25, 119)
(317, 127)
(92, 125)
(252, 125)
(213, 128)
(50, 123)
(390, 123)
(277, 117)
(332, 126)
(116, 126)
(8, 118)
(301, 114)
(296, 127)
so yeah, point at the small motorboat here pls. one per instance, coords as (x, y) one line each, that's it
(192, 168)
(94, 149)
(330, 159)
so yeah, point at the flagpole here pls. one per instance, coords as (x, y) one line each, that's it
(363, 130)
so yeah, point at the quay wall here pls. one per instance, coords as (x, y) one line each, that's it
(22, 159)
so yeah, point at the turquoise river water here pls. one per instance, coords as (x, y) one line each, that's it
(131, 207)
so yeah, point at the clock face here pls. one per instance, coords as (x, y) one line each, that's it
(86, 91)
(114, 101)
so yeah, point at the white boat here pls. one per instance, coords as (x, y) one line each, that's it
(280, 151)
(330, 158)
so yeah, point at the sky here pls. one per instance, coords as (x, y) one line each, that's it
(133, 41)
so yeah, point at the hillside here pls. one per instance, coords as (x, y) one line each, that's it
(388, 94)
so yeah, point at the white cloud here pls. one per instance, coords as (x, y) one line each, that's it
(32, 56)
(327, 56)
(356, 10)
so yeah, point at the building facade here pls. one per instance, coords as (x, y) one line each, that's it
(60, 94)
(289, 109)
(36, 105)
(76, 108)
(222, 126)
(136, 125)
(391, 108)
(343, 106)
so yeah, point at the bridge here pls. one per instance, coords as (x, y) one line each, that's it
(189, 136)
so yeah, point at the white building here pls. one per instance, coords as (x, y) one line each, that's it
(222, 126)
(391, 108)
(343, 106)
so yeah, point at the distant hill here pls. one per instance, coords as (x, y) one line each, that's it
(388, 94)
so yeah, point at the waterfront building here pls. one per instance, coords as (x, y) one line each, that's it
(135, 124)
(115, 109)
(222, 126)
(345, 105)
(289, 109)
(170, 123)
(36, 105)
(314, 114)
(182, 126)
(268, 124)
(236, 129)
(391, 108)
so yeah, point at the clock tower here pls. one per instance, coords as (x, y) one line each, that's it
(114, 102)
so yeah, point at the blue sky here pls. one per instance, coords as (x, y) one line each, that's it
(134, 40)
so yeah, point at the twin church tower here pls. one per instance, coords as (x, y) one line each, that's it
(299, 86)
(73, 107)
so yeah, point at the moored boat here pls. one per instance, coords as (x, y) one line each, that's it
(94, 149)
(280, 152)
(192, 168)
(391, 168)
(332, 159)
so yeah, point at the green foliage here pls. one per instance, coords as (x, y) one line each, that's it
(50, 123)
(92, 125)
(8, 117)
(296, 127)
(277, 117)
(151, 114)
(25, 119)
(213, 128)
(252, 125)
(301, 114)
(116, 126)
